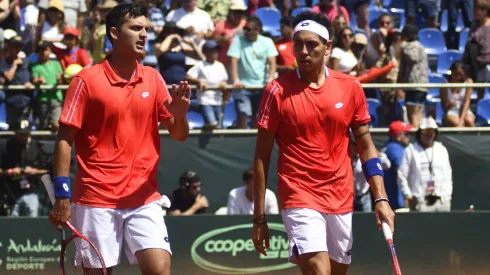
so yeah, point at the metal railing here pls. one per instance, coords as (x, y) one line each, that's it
(258, 87)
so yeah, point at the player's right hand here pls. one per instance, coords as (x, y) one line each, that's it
(61, 212)
(260, 237)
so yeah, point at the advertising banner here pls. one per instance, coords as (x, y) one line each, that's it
(426, 244)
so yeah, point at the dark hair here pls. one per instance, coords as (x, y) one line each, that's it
(410, 32)
(317, 17)
(338, 37)
(458, 64)
(256, 20)
(248, 174)
(418, 135)
(42, 46)
(169, 28)
(115, 17)
(187, 178)
(287, 21)
(381, 17)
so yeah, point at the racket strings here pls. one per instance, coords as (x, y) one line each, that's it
(80, 257)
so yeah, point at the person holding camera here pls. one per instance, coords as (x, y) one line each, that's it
(171, 50)
(187, 199)
(22, 161)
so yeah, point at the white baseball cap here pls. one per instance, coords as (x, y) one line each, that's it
(428, 123)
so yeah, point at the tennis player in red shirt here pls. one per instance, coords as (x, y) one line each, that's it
(308, 112)
(111, 112)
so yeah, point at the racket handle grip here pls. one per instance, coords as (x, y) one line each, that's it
(387, 231)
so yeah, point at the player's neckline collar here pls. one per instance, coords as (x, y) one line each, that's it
(299, 75)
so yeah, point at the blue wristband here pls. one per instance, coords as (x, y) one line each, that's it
(372, 167)
(62, 187)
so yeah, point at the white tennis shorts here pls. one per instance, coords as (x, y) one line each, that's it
(140, 228)
(311, 231)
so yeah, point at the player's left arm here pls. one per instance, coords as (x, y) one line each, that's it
(374, 174)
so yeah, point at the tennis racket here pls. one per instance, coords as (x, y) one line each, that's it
(78, 254)
(389, 239)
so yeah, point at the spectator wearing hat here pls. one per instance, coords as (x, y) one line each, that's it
(72, 54)
(171, 50)
(205, 73)
(48, 102)
(252, 62)
(187, 199)
(225, 31)
(425, 175)
(285, 60)
(23, 160)
(74, 11)
(99, 35)
(413, 69)
(240, 199)
(14, 68)
(394, 148)
(53, 25)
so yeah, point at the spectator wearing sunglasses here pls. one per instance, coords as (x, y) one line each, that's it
(343, 58)
(252, 62)
(425, 174)
(394, 148)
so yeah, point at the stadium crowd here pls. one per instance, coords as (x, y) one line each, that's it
(230, 49)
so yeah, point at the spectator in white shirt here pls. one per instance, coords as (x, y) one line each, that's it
(425, 174)
(240, 199)
(342, 58)
(192, 19)
(362, 200)
(209, 72)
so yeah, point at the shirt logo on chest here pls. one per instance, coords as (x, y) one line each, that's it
(145, 94)
(339, 105)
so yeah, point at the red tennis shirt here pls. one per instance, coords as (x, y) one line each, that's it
(117, 145)
(311, 130)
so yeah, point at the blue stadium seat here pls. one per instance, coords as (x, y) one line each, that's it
(444, 21)
(229, 114)
(435, 92)
(433, 41)
(399, 18)
(460, 21)
(373, 14)
(483, 112)
(463, 38)
(397, 4)
(195, 118)
(300, 10)
(446, 59)
(353, 20)
(3, 113)
(373, 105)
(270, 18)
